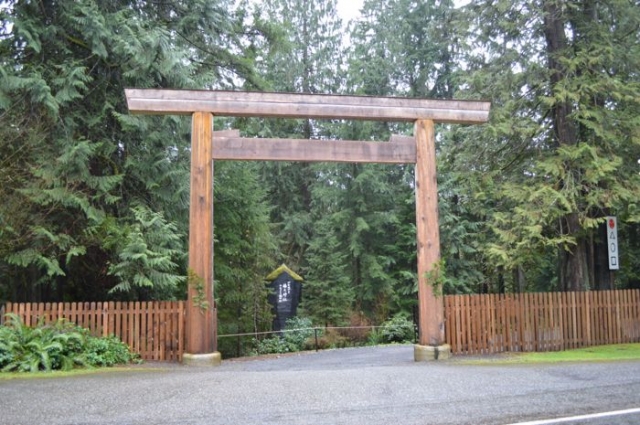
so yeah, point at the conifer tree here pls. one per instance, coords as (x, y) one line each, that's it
(95, 200)
(563, 133)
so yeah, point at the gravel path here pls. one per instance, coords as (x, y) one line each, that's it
(373, 385)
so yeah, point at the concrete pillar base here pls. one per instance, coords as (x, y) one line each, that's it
(211, 359)
(426, 353)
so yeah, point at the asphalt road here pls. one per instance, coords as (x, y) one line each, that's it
(370, 386)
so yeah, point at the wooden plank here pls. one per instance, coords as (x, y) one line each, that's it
(472, 333)
(483, 323)
(527, 314)
(596, 319)
(504, 322)
(574, 320)
(513, 323)
(524, 319)
(109, 327)
(602, 312)
(473, 325)
(633, 329)
(314, 106)
(22, 308)
(431, 307)
(577, 319)
(117, 320)
(91, 316)
(40, 313)
(448, 335)
(496, 319)
(557, 321)
(584, 319)
(548, 322)
(200, 307)
(464, 323)
(618, 302)
(460, 337)
(536, 323)
(401, 150)
(610, 319)
(126, 320)
(161, 326)
(143, 314)
(541, 324)
(634, 322)
(588, 320)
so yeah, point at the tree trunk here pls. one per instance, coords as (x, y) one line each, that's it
(574, 266)
(520, 281)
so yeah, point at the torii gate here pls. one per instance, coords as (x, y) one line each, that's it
(207, 145)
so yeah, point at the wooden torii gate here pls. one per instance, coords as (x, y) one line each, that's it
(207, 145)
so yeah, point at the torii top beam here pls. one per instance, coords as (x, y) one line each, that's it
(315, 106)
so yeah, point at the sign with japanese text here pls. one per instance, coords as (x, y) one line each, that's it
(612, 243)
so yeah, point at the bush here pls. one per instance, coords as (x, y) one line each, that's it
(107, 351)
(297, 332)
(398, 329)
(359, 331)
(44, 347)
(58, 346)
(375, 337)
(330, 338)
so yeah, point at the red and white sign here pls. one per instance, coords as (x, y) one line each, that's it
(612, 243)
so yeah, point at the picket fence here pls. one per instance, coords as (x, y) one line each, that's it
(493, 323)
(155, 330)
(474, 324)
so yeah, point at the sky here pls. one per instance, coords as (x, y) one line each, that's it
(349, 9)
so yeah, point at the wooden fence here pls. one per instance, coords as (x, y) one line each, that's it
(475, 324)
(155, 329)
(478, 324)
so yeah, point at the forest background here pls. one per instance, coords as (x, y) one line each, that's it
(95, 200)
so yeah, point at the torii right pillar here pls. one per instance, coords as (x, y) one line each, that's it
(431, 344)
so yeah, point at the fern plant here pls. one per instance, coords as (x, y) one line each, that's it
(58, 346)
(43, 347)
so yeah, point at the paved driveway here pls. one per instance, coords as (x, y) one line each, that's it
(380, 385)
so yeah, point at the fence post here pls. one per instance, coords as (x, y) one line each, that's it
(315, 331)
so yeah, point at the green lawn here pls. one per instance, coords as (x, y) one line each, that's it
(590, 354)
(6, 376)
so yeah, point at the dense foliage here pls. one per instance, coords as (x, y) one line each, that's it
(57, 346)
(95, 200)
(293, 338)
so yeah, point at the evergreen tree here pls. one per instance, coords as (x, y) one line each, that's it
(563, 133)
(97, 199)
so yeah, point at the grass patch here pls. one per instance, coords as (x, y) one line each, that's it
(8, 376)
(590, 354)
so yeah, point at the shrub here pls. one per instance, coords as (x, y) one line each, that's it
(375, 337)
(58, 346)
(29, 349)
(107, 351)
(330, 338)
(358, 330)
(297, 332)
(397, 329)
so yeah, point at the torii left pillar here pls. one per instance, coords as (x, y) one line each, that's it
(431, 344)
(201, 341)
